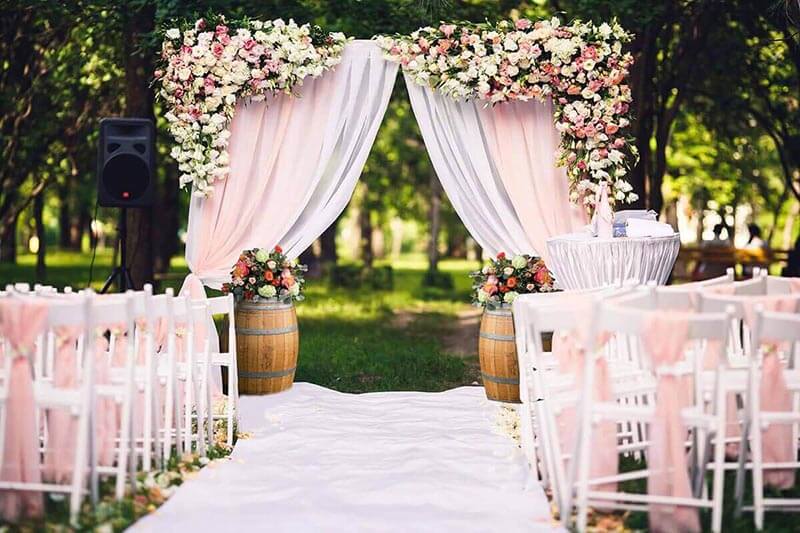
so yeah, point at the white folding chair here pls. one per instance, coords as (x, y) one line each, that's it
(627, 317)
(778, 332)
(545, 390)
(76, 401)
(203, 358)
(224, 305)
(108, 313)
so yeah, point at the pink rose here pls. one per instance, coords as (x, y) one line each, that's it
(423, 43)
(221, 29)
(590, 52)
(489, 289)
(249, 44)
(582, 165)
(447, 29)
(611, 129)
(522, 24)
(217, 49)
(619, 143)
(491, 280)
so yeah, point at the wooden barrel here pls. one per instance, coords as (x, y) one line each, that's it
(498, 356)
(267, 342)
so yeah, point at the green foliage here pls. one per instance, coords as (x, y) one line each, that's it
(355, 276)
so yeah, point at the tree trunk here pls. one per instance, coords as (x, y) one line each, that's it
(310, 259)
(64, 221)
(139, 103)
(435, 222)
(166, 216)
(82, 226)
(8, 243)
(327, 240)
(641, 78)
(365, 225)
(38, 217)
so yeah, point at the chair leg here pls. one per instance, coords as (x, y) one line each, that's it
(719, 464)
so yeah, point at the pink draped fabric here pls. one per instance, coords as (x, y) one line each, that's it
(664, 337)
(570, 349)
(523, 141)
(778, 445)
(62, 427)
(268, 183)
(604, 458)
(193, 289)
(107, 422)
(21, 322)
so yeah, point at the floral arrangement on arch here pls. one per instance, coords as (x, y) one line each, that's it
(501, 280)
(580, 65)
(260, 273)
(207, 65)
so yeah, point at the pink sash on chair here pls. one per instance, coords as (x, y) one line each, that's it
(664, 338)
(62, 426)
(777, 443)
(568, 349)
(107, 422)
(21, 322)
(604, 457)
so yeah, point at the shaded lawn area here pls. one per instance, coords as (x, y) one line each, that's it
(351, 340)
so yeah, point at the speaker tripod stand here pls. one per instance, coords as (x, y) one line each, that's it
(121, 272)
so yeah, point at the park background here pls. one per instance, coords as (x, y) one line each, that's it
(717, 122)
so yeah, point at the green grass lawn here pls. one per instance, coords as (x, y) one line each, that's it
(351, 340)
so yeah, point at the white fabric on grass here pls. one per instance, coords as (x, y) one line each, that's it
(321, 460)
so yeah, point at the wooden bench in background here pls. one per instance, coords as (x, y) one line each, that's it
(696, 263)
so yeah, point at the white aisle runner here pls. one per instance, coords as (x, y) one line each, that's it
(321, 460)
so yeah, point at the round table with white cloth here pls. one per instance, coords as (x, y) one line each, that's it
(580, 261)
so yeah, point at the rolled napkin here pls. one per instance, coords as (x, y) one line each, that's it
(637, 227)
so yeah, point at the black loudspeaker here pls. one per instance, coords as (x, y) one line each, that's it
(126, 162)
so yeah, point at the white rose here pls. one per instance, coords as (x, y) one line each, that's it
(508, 271)
(510, 297)
(173, 33)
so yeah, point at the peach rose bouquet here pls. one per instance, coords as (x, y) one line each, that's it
(260, 274)
(502, 280)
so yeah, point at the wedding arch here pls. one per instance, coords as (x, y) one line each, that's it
(273, 121)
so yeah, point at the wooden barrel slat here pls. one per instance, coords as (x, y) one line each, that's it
(498, 356)
(267, 341)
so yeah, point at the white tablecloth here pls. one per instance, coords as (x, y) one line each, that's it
(579, 261)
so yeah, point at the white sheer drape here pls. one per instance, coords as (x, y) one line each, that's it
(294, 164)
(497, 166)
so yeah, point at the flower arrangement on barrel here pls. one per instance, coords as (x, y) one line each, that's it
(259, 273)
(502, 279)
(580, 66)
(264, 284)
(495, 287)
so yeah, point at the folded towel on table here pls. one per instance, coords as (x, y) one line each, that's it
(637, 227)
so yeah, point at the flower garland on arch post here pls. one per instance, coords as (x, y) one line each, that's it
(581, 66)
(206, 66)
